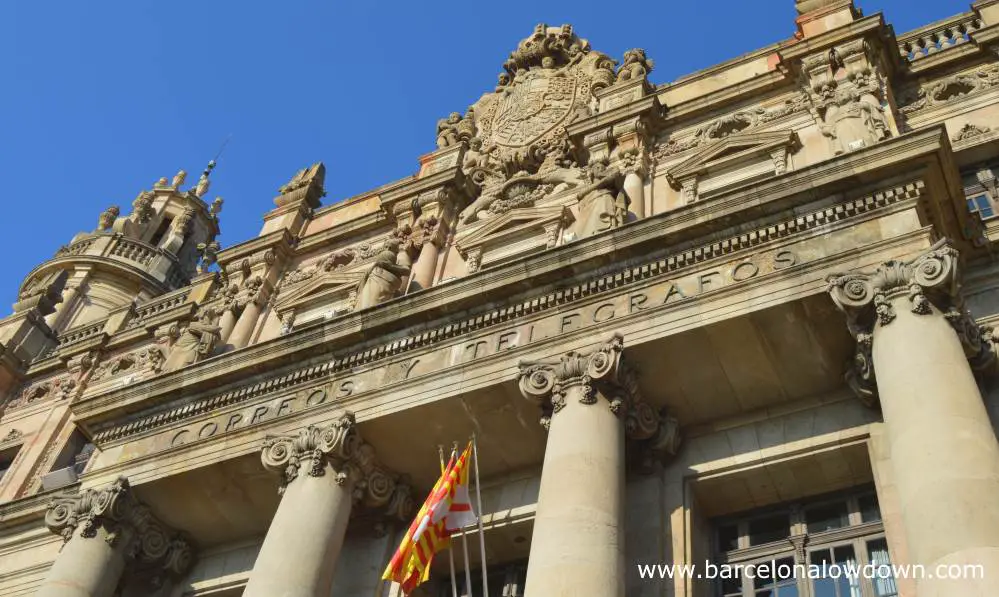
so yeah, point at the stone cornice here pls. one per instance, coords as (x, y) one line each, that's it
(675, 260)
(647, 106)
(279, 241)
(683, 226)
(449, 177)
(822, 42)
(346, 231)
(730, 95)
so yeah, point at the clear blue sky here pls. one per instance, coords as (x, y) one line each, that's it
(99, 99)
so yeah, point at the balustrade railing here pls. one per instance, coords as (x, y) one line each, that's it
(938, 37)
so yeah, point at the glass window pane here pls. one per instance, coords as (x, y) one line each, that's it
(769, 529)
(728, 537)
(827, 517)
(884, 580)
(869, 510)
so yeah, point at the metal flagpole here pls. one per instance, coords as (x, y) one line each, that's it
(450, 552)
(464, 548)
(478, 500)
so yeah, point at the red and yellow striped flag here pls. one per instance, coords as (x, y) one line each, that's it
(446, 510)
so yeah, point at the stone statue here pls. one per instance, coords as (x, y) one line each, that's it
(636, 65)
(853, 122)
(386, 276)
(216, 207)
(179, 178)
(108, 216)
(453, 130)
(195, 343)
(142, 207)
(602, 203)
(182, 225)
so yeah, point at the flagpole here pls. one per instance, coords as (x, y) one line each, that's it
(478, 500)
(464, 548)
(450, 552)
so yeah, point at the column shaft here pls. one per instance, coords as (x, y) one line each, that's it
(944, 453)
(247, 322)
(634, 188)
(86, 567)
(303, 542)
(226, 324)
(578, 543)
(426, 266)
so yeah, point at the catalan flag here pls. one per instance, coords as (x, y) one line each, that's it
(447, 509)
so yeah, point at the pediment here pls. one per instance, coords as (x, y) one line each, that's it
(513, 223)
(730, 150)
(319, 289)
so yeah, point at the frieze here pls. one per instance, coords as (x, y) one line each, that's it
(353, 378)
(354, 382)
(736, 122)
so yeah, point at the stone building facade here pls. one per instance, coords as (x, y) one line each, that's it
(740, 317)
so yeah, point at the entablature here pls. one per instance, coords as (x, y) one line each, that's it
(918, 155)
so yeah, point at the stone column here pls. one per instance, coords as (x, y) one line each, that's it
(588, 401)
(634, 188)
(251, 297)
(914, 345)
(431, 233)
(327, 471)
(106, 531)
(226, 323)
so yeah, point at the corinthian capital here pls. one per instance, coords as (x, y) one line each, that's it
(602, 372)
(354, 462)
(335, 444)
(547, 382)
(929, 278)
(929, 282)
(123, 519)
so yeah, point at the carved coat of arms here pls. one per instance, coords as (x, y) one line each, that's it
(532, 108)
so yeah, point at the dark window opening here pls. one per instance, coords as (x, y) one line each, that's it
(161, 232)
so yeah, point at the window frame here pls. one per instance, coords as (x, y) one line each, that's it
(799, 543)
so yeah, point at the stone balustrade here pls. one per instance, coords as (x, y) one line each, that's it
(938, 37)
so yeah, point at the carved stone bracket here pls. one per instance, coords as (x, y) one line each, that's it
(115, 509)
(354, 462)
(927, 283)
(601, 372)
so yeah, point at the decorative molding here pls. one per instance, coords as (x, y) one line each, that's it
(733, 149)
(970, 131)
(12, 436)
(737, 122)
(556, 299)
(949, 89)
(116, 510)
